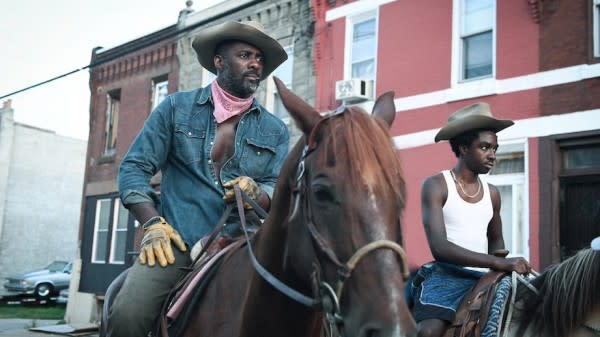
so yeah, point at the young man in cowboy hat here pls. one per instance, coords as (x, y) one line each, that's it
(203, 141)
(461, 215)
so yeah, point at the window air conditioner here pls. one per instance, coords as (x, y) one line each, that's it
(354, 90)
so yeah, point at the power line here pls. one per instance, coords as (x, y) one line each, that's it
(139, 46)
(44, 82)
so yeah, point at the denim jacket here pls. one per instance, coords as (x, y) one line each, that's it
(177, 139)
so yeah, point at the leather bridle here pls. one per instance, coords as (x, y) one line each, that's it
(325, 299)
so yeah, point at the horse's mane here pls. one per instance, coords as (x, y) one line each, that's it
(568, 291)
(369, 146)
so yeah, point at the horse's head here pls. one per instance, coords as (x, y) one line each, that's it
(343, 218)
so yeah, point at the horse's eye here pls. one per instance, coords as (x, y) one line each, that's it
(322, 194)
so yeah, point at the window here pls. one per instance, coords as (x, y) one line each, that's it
(508, 175)
(110, 226)
(581, 157)
(596, 29)
(477, 23)
(207, 77)
(285, 73)
(119, 233)
(112, 120)
(160, 89)
(362, 37)
(101, 225)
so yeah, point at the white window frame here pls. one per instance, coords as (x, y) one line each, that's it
(514, 179)
(117, 231)
(350, 22)
(596, 27)
(113, 107)
(457, 47)
(156, 90)
(95, 258)
(272, 89)
(207, 77)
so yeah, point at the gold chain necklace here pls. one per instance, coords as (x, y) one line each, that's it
(463, 190)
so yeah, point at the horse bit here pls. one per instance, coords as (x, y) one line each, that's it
(326, 299)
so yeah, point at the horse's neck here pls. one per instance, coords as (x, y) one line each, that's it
(266, 309)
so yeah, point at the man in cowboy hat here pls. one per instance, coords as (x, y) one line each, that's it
(461, 216)
(203, 141)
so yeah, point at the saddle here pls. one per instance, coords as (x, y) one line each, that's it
(472, 314)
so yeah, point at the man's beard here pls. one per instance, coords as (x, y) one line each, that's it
(239, 86)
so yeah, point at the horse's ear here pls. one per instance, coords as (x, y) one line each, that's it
(304, 115)
(384, 107)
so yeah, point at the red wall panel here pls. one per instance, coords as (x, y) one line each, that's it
(517, 40)
(419, 163)
(414, 49)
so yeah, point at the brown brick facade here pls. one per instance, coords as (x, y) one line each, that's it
(566, 39)
(132, 76)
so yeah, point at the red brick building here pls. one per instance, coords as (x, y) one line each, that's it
(533, 61)
(126, 82)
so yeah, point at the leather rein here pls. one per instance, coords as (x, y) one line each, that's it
(325, 298)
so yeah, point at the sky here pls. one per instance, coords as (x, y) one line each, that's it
(42, 39)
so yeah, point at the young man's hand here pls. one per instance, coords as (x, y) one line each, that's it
(518, 264)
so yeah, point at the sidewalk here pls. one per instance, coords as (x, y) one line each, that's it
(17, 327)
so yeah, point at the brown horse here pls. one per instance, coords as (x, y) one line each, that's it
(330, 241)
(565, 303)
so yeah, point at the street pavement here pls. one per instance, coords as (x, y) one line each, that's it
(17, 327)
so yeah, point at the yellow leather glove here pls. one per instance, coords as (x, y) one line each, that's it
(247, 184)
(156, 243)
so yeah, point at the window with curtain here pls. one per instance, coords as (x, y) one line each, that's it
(508, 175)
(112, 120)
(119, 233)
(477, 38)
(363, 32)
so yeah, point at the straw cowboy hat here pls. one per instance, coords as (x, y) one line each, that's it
(472, 117)
(250, 32)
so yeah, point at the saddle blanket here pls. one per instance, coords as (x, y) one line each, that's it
(179, 303)
(493, 324)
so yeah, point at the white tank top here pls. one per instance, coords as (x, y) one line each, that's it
(467, 223)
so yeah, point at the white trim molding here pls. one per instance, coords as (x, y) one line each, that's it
(490, 86)
(354, 8)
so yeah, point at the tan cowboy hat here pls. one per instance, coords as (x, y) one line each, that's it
(250, 32)
(472, 117)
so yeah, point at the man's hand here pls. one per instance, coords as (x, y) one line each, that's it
(518, 264)
(156, 244)
(247, 184)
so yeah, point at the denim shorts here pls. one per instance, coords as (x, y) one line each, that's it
(438, 288)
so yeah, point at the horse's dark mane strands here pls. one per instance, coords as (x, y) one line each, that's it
(568, 291)
(379, 164)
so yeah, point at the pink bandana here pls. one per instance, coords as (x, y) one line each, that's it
(227, 105)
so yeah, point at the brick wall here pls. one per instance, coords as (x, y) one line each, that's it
(566, 40)
(132, 74)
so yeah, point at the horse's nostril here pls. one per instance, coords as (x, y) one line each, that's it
(371, 333)
(371, 330)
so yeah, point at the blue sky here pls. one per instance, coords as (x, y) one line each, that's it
(42, 39)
